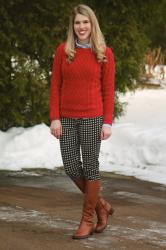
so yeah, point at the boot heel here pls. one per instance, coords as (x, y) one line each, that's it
(111, 211)
(92, 232)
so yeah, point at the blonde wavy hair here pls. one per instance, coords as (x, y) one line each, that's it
(97, 40)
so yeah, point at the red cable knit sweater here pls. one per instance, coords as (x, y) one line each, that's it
(84, 88)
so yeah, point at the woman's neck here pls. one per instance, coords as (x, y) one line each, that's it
(83, 42)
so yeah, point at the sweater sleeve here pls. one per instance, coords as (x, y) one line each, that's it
(108, 77)
(55, 86)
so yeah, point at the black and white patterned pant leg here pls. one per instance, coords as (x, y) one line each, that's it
(90, 130)
(70, 148)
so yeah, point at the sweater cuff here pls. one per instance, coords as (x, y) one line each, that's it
(54, 118)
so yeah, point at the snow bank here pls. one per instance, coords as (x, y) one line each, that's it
(32, 147)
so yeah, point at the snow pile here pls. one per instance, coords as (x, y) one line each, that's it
(32, 147)
(136, 151)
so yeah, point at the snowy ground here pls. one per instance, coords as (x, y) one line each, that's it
(137, 146)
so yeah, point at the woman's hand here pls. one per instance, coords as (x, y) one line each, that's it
(56, 128)
(106, 132)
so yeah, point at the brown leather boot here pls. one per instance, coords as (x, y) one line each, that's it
(86, 226)
(103, 208)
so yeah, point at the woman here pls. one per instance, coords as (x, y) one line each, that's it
(81, 107)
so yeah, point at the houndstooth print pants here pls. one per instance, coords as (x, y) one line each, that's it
(80, 145)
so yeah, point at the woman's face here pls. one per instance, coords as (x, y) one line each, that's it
(82, 28)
